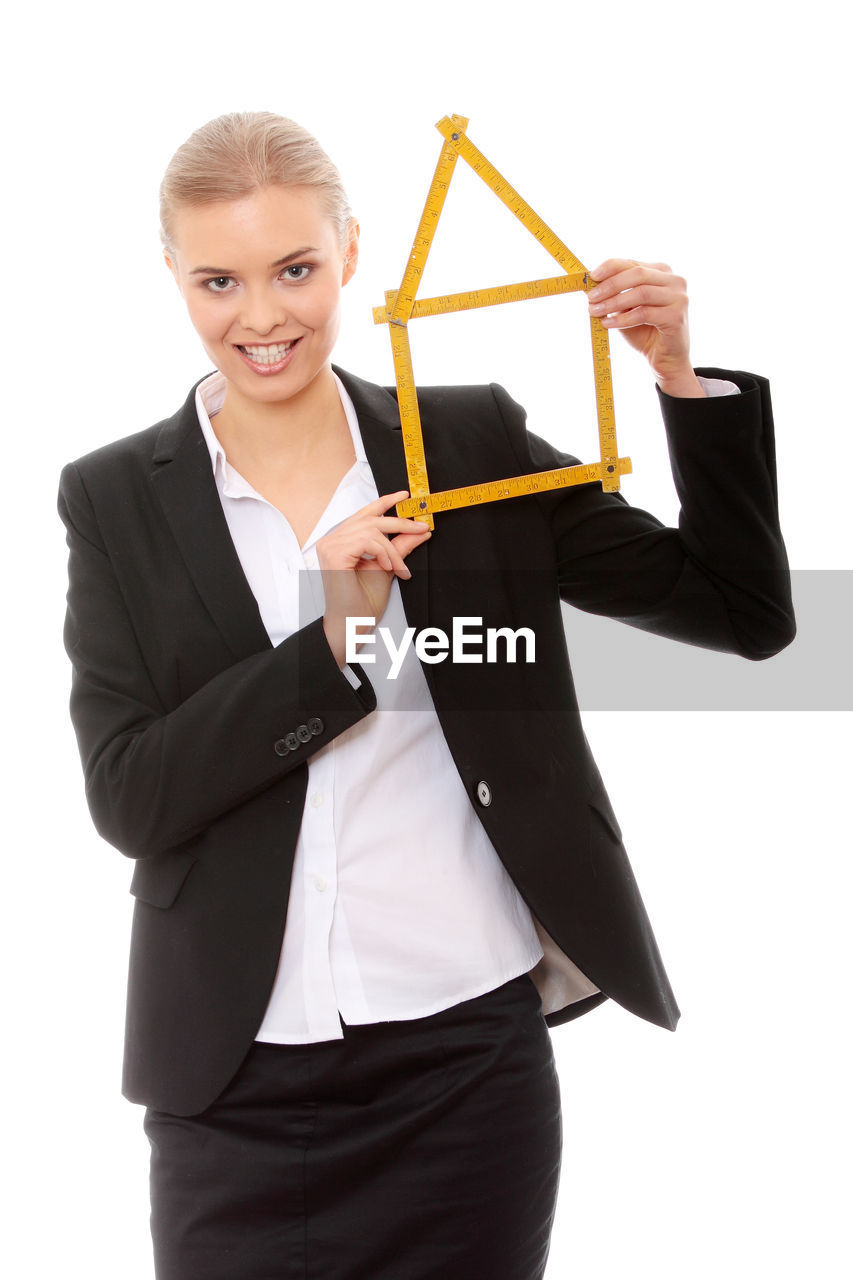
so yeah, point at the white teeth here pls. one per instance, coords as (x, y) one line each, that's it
(268, 355)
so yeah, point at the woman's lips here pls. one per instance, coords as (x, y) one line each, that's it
(268, 358)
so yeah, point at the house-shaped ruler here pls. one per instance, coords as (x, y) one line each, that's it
(401, 306)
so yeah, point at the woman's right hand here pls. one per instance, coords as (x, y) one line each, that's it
(359, 560)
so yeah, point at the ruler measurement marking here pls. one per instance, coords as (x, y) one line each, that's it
(473, 299)
(422, 244)
(512, 487)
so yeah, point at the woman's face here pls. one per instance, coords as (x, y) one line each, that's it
(262, 277)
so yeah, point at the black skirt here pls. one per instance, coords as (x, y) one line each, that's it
(408, 1150)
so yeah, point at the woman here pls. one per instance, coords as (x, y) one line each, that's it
(370, 1090)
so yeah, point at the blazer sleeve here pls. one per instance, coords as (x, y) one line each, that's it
(720, 579)
(157, 776)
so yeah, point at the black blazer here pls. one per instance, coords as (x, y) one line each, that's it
(183, 709)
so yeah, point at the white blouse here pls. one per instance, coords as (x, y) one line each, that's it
(399, 905)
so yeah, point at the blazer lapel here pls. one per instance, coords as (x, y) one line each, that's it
(379, 421)
(184, 483)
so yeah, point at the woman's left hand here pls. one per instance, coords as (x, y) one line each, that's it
(648, 303)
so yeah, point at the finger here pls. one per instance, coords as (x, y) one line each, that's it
(610, 267)
(380, 505)
(614, 265)
(387, 554)
(652, 295)
(390, 554)
(387, 500)
(365, 521)
(640, 315)
(352, 536)
(380, 552)
(404, 543)
(400, 524)
(635, 273)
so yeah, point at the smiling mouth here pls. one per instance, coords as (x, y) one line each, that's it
(272, 353)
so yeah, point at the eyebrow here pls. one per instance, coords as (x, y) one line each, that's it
(279, 262)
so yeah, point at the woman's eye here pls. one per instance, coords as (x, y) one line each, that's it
(219, 284)
(297, 271)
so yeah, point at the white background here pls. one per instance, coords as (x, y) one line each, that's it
(715, 143)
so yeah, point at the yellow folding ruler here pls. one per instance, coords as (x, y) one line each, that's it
(401, 306)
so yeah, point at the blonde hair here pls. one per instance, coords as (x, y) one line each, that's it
(235, 154)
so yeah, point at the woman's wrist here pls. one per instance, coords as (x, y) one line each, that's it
(684, 385)
(336, 633)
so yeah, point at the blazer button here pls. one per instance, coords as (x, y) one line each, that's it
(315, 726)
(484, 794)
(281, 748)
(292, 742)
(303, 733)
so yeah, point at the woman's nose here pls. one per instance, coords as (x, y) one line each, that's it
(262, 311)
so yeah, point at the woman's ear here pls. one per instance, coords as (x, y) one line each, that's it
(350, 251)
(170, 263)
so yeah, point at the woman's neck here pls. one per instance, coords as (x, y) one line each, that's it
(284, 432)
